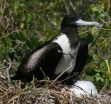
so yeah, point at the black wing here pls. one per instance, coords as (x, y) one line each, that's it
(81, 56)
(38, 62)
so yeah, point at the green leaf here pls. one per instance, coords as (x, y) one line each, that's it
(90, 71)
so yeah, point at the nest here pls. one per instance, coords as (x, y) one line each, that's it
(13, 94)
(46, 94)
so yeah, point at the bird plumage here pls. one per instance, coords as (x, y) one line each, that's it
(40, 62)
(83, 88)
(66, 50)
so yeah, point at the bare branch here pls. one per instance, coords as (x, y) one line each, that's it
(66, 7)
(7, 71)
(53, 83)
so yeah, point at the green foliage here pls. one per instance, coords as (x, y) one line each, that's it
(25, 25)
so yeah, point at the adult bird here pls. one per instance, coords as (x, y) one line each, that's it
(67, 52)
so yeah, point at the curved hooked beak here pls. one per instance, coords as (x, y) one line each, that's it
(80, 22)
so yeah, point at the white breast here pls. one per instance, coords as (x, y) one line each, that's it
(66, 61)
(63, 41)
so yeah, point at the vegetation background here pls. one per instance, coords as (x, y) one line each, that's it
(26, 24)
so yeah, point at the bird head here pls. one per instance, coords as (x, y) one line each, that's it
(74, 21)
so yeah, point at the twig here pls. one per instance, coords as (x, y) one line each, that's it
(104, 13)
(98, 29)
(66, 7)
(69, 77)
(7, 71)
(50, 22)
(108, 67)
(12, 99)
(53, 83)
(72, 6)
(43, 73)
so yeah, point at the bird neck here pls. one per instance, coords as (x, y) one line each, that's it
(72, 34)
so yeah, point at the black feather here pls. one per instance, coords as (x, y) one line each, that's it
(42, 61)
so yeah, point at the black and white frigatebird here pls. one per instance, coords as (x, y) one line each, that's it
(65, 52)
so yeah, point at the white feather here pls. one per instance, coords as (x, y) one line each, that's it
(84, 88)
(63, 41)
(66, 61)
